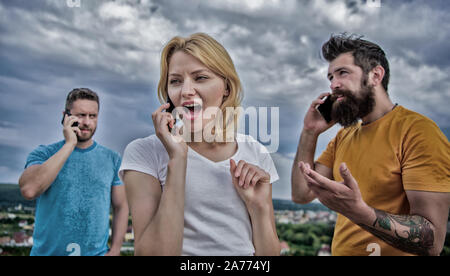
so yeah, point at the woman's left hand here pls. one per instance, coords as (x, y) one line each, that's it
(252, 184)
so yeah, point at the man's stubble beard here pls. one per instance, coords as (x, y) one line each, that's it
(82, 140)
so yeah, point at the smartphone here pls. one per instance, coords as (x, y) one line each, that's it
(67, 112)
(178, 122)
(170, 109)
(325, 108)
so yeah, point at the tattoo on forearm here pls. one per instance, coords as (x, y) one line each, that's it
(410, 233)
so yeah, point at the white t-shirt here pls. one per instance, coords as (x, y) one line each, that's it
(216, 220)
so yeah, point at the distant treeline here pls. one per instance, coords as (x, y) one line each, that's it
(282, 204)
(305, 239)
(10, 197)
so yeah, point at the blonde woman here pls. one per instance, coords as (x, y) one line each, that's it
(198, 197)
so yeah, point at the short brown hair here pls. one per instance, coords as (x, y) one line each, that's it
(81, 94)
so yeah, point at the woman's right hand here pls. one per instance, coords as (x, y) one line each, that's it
(314, 123)
(174, 144)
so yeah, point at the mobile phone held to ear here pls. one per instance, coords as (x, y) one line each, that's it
(325, 108)
(67, 112)
(170, 109)
(178, 122)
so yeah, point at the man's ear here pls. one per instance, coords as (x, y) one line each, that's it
(376, 75)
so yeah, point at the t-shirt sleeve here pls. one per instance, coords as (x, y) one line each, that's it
(269, 166)
(426, 158)
(116, 180)
(266, 163)
(37, 156)
(138, 156)
(328, 156)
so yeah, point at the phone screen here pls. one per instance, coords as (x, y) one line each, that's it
(325, 109)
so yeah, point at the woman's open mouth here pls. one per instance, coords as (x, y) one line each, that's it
(193, 110)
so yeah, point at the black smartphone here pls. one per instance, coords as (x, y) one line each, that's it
(170, 109)
(325, 108)
(67, 112)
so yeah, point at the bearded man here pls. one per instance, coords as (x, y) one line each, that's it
(75, 181)
(386, 173)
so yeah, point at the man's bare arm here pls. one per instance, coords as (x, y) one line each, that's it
(120, 218)
(36, 179)
(313, 125)
(422, 232)
(410, 233)
(305, 152)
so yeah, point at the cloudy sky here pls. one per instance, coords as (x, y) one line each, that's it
(48, 47)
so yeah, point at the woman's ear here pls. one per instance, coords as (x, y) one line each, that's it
(227, 89)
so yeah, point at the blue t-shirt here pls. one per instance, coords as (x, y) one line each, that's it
(72, 215)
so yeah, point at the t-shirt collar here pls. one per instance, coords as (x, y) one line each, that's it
(87, 149)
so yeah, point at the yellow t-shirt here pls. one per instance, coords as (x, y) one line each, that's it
(401, 151)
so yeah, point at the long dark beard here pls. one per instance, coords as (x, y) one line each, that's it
(348, 111)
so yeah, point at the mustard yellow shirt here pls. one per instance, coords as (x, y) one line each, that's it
(401, 151)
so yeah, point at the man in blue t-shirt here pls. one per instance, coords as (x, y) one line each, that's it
(75, 182)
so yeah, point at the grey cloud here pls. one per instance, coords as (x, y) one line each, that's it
(113, 47)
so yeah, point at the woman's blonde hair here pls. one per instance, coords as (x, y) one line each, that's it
(214, 56)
